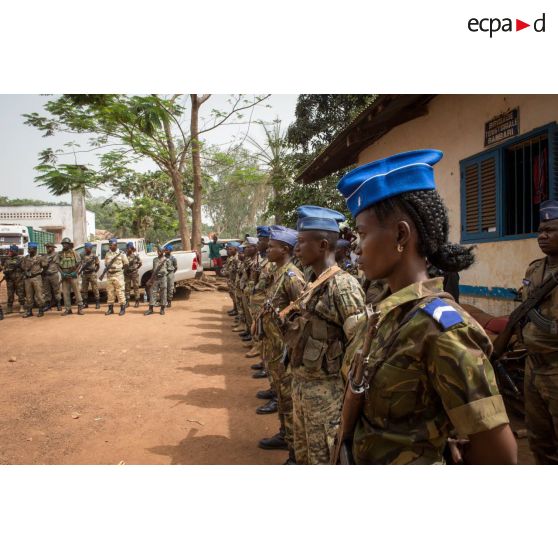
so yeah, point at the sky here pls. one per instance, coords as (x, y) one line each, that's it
(21, 144)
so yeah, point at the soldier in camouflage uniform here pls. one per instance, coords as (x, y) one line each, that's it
(14, 279)
(51, 279)
(240, 320)
(375, 291)
(229, 271)
(33, 266)
(89, 267)
(115, 262)
(343, 259)
(68, 262)
(131, 274)
(251, 263)
(539, 336)
(321, 336)
(170, 276)
(286, 286)
(427, 372)
(158, 282)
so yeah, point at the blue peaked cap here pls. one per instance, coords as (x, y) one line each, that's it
(548, 210)
(405, 172)
(232, 244)
(113, 241)
(262, 231)
(283, 234)
(32, 245)
(312, 218)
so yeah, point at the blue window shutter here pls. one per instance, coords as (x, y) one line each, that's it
(553, 161)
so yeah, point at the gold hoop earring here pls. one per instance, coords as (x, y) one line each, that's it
(399, 248)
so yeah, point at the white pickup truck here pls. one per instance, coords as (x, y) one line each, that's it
(205, 259)
(188, 267)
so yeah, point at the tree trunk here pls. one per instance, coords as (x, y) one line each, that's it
(79, 222)
(176, 179)
(196, 167)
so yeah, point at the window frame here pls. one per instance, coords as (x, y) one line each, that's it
(551, 129)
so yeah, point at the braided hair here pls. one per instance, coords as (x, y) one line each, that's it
(430, 217)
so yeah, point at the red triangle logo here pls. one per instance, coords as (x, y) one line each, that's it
(519, 25)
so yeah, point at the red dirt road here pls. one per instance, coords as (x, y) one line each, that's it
(159, 389)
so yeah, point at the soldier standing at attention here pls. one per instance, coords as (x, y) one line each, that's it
(68, 262)
(170, 275)
(343, 258)
(251, 261)
(131, 274)
(539, 336)
(14, 279)
(33, 266)
(321, 336)
(51, 279)
(428, 370)
(229, 271)
(115, 263)
(158, 282)
(240, 320)
(89, 267)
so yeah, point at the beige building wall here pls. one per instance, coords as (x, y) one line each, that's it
(455, 125)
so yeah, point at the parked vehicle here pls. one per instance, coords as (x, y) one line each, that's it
(22, 236)
(187, 261)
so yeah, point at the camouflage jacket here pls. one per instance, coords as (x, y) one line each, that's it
(134, 263)
(434, 374)
(52, 263)
(375, 291)
(349, 267)
(231, 267)
(323, 344)
(90, 264)
(264, 282)
(33, 265)
(536, 340)
(68, 260)
(246, 273)
(174, 263)
(12, 268)
(162, 267)
(117, 264)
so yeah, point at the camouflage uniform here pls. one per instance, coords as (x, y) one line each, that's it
(14, 281)
(541, 370)
(375, 291)
(68, 261)
(131, 276)
(246, 287)
(262, 276)
(115, 276)
(238, 285)
(170, 276)
(319, 349)
(348, 266)
(432, 376)
(51, 281)
(230, 269)
(286, 284)
(89, 276)
(161, 269)
(33, 267)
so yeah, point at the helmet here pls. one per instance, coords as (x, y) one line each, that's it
(66, 240)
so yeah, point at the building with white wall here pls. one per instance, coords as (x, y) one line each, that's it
(52, 218)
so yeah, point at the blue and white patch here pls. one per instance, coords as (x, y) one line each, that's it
(526, 282)
(291, 273)
(446, 315)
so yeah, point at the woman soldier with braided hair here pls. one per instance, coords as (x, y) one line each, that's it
(428, 371)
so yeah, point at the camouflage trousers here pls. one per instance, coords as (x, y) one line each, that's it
(247, 313)
(131, 281)
(541, 414)
(316, 415)
(89, 280)
(170, 286)
(34, 292)
(115, 288)
(51, 288)
(158, 294)
(69, 285)
(15, 287)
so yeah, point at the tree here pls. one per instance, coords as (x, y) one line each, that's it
(136, 127)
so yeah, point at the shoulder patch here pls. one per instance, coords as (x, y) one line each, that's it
(526, 282)
(446, 315)
(291, 273)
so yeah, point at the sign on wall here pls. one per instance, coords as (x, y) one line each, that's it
(502, 127)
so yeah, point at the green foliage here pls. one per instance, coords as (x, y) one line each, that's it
(105, 213)
(16, 202)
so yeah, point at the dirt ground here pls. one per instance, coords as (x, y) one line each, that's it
(154, 390)
(145, 390)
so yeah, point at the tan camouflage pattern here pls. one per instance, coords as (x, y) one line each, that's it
(432, 381)
(68, 285)
(375, 291)
(334, 310)
(32, 267)
(51, 287)
(247, 286)
(541, 370)
(89, 281)
(229, 271)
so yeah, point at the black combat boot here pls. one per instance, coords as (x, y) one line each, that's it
(136, 305)
(1, 314)
(268, 408)
(97, 304)
(80, 308)
(259, 374)
(66, 311)
(266, 394)
(150, 311)
(162, 311)
(28, 313)
(58, 306)
(275, 442)
(110, 310)
(40, 313)
(122, 309)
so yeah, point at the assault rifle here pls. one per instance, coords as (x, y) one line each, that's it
(151, 280)
(108, 266)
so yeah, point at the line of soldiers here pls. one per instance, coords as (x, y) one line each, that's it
(43, 280)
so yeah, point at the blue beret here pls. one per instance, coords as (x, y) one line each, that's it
(405, 172)
(113, 241)
(32, 245)
(168, 247)
(312, 217)
(262, 231)
(129, 245)
(241, 248)
(283, 234)
(14, 248)
(88, 245)
(232, 244)
(548, 210)
(250, 240)
(342, 243)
